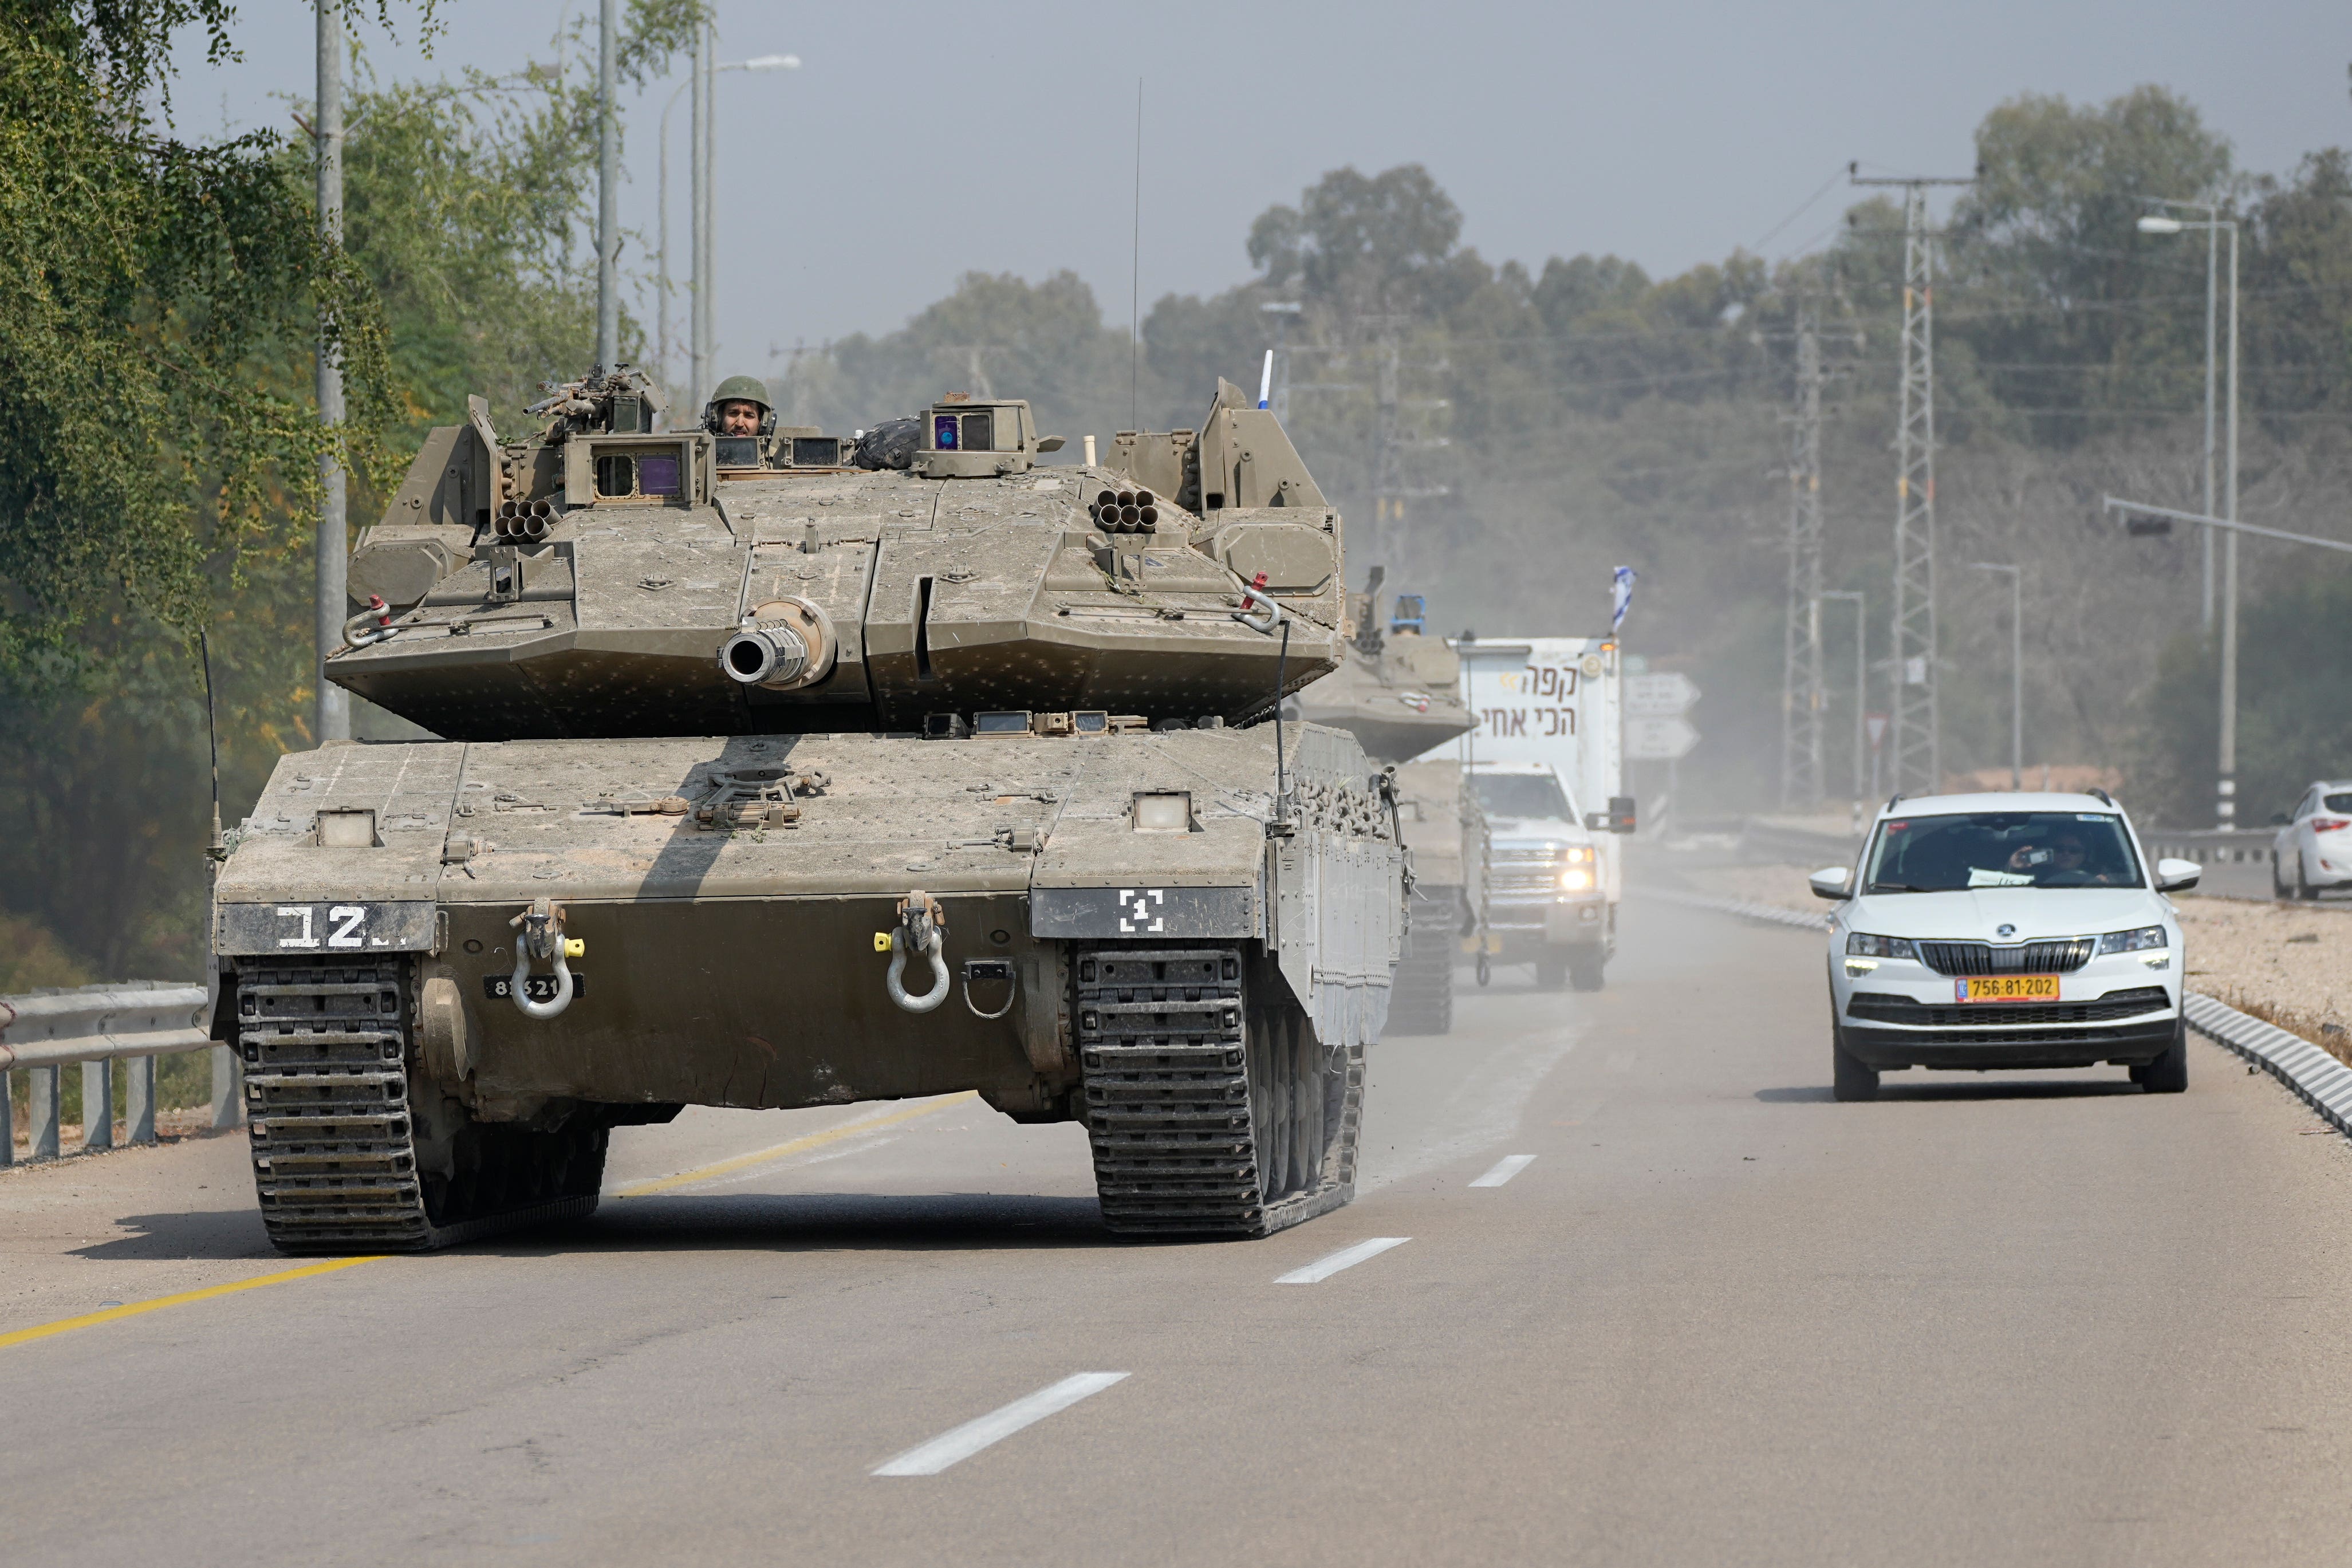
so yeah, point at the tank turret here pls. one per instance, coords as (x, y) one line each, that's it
(603, 577)
(1397, 692)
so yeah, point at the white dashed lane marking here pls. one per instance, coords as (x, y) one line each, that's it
(1346, 1258)
(951, 1448)
(1505, 1169)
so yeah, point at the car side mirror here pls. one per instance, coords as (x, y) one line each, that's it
(1618, 819)
(1832, 882)
(2177, 876)
(2280, 819)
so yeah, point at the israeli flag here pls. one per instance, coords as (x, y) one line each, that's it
(1620, 596)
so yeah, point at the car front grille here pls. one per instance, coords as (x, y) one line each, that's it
(1523, 873)
(1887, 1007)
(2061, 957)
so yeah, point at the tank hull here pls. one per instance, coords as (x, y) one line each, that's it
(738, 965)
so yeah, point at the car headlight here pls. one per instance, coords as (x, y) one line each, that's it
(1860, 944)
(2133, 941)
(1575, 880)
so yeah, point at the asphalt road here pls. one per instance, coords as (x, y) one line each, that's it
(1716, 1318)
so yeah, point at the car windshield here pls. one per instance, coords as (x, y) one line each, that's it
(2003, 850)
(1523, 794)
(2338, 803)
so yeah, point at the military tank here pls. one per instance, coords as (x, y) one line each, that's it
(791, 769)
(1399, 693)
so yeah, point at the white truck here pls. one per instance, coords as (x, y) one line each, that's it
(1547, 759)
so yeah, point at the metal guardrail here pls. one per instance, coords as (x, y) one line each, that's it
(1805, 844)
(131, 1022)
(2212, 845)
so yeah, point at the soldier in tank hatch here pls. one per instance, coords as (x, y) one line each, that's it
(739, 408)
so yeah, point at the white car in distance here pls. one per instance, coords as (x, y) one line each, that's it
(2313, 846)
(1992, 931)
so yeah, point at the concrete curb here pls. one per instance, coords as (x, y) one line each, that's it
(2316, 1078)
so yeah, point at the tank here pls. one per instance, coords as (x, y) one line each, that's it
(797, 769)
(1399, 692)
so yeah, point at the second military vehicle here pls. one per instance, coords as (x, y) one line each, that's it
(788, 770)
(1398, 693)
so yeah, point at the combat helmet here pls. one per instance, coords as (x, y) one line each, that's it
(742, 389)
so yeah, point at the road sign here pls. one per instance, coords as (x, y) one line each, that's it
(1662, 696)
(1877, 726)
(1658, 739)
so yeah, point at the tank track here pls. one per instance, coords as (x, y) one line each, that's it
(1421, 996)
(1210, 1110)
(325, 1046)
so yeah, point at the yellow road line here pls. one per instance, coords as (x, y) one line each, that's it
(814, 1141)
(109, 1315)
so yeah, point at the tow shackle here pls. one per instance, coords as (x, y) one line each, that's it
(1267, 614)
(373, 624)
(538, 934)
(922, 928)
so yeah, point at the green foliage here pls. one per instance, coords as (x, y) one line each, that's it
(2294, 664)
(151, 287)
(470, 206)
(994, 335)
(161, 320)
(1500, 436)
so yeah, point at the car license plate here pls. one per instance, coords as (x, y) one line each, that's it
(2008, 988)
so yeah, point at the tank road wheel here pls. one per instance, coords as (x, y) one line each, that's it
(354, 1150)
(1210, 1105)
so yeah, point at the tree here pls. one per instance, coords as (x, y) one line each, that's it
(152, 290)
(2078, 317)
(464, 201)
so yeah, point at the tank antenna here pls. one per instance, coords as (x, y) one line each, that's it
(218, 847)
(1135, 274)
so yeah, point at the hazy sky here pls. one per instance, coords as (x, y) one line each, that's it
(921, 140)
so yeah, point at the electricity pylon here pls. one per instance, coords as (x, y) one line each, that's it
(1918, 759)
(1803, 695)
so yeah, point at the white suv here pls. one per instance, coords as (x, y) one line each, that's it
(2005, 931)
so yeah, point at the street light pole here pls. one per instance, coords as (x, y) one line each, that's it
(608, 194)
(2016, 670)
(1861, 674)
(2225, 803)
(332, 719)
(761, 62)
(698, 326)
(701, 75)
(2212, 359)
